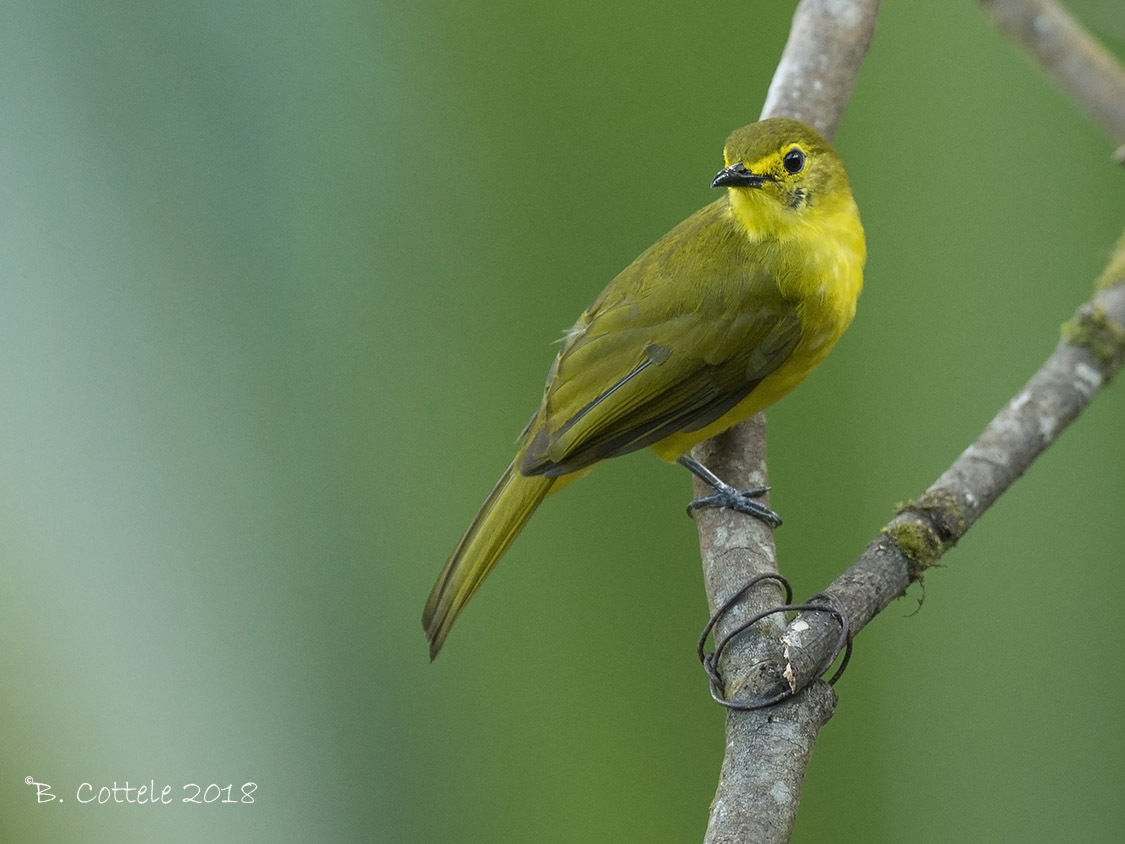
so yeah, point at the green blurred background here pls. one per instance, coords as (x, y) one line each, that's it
(280, 282)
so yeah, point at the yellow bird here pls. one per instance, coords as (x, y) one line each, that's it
(715, 321)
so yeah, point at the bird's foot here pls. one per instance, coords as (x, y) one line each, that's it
(725, 495)
(742, 500)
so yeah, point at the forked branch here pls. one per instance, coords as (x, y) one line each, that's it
(767, 751)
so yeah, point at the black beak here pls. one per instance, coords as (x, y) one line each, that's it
(737, 176)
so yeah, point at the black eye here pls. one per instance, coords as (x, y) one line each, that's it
(794, 161)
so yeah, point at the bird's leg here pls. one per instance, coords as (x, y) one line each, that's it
(742, 500)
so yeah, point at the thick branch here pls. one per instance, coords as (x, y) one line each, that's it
(767, 755)
(818, 68)
(1076, 60)
(767, 751)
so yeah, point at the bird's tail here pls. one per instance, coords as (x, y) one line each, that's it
(503, 515)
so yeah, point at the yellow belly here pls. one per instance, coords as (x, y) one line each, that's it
(831, 283)
(805, 358)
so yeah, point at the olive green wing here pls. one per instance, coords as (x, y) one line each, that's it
(634, 370)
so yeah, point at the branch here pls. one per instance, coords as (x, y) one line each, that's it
(1076, 60)
(767, 754)
(819, 65)
(768, 751)
(1090, 353)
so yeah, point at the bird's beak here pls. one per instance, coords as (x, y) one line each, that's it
(737, 176)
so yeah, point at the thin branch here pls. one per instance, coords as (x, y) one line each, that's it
(1077, 61)
(1090, 353)
(767, 752)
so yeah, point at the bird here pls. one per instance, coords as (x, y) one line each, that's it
(718, 319)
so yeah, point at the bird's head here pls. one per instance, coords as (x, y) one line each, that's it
(778, 168)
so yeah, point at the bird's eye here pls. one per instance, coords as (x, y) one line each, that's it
(794, 161)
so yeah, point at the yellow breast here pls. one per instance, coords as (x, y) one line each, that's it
(818, 260)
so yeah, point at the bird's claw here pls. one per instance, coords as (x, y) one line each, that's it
(741, 500)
